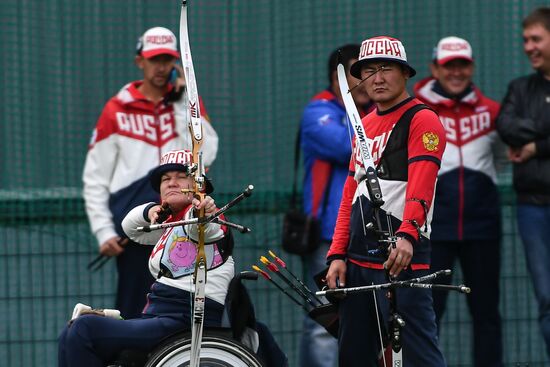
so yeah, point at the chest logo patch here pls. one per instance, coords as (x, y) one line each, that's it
(430, 141)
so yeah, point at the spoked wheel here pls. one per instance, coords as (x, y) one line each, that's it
(216, 351)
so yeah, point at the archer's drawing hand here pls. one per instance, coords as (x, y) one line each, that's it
(336, 274)
(400, 256)
(153, 213)
(159, 213)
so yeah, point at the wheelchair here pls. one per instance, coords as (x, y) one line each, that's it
(216, 350)
(230, 345)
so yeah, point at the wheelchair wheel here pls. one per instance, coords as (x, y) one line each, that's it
(216, 351)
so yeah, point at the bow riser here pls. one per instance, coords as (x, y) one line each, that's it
(195, 129)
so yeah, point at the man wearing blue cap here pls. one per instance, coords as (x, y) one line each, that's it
(406, 145)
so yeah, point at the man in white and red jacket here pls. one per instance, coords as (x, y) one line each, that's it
(144, 120)
(466, 224)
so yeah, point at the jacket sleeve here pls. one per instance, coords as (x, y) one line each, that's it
(543, 147)
(210, 145)
(340, 239)
(420, 188)
(138, 217)
(426, 144)
(514, 129)
(498, 148)
(323, 133)
(98, 170)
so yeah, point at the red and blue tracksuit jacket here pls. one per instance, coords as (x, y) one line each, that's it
(408, 190)
(466, 202)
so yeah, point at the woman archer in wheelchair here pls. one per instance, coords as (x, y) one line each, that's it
(95, 340)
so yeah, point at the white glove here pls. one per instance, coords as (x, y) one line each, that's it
(82, 309)
(78, 308)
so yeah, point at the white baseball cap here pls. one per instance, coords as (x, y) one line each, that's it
(175, 160)
(452, 48)
(158, 41)
(380, 48)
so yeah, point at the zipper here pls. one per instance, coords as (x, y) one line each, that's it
(157, 128)
(460, 224)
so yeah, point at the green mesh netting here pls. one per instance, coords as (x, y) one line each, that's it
(257, 64)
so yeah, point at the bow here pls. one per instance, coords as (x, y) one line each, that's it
(195, 129)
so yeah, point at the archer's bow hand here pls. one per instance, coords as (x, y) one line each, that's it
(207, 203)
(336, 274)
(400, 256)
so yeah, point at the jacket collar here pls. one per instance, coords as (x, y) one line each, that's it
(430, 91)
(130, 93)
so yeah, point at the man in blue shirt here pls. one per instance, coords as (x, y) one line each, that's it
(326, 146)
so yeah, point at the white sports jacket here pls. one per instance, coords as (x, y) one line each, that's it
(128, 141)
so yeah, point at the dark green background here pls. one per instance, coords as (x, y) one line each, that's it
(257, 62)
